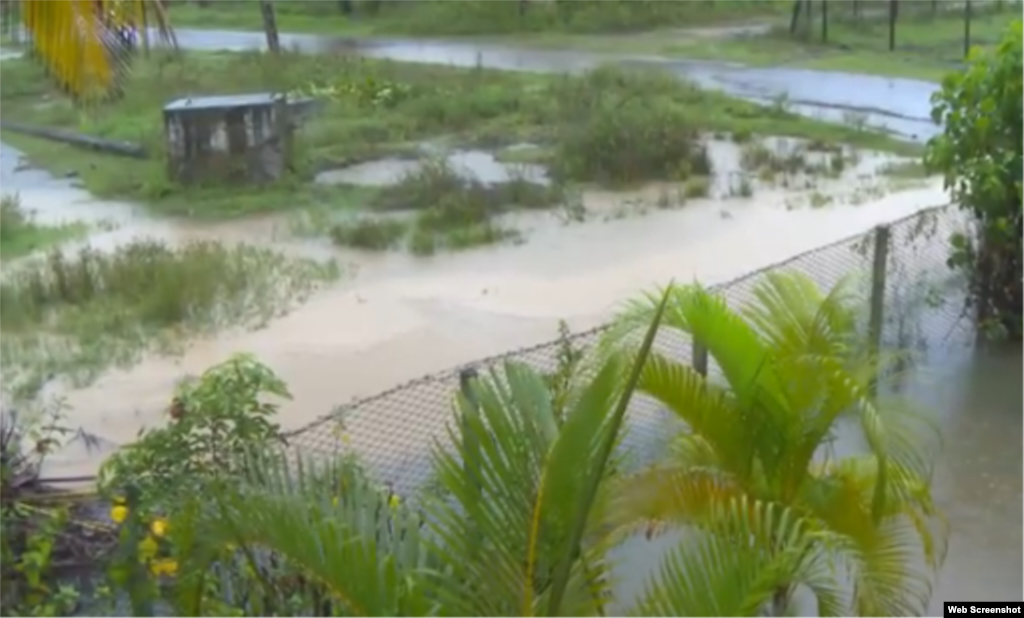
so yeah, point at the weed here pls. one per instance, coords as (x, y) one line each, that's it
(910, 170)
(758, 156)
(451, 209)
(697, 186)
(819, 200)
(73, 316)
(742, 136)
(744, 188)
(369, 233)
(817, 145)
(21, 235)
(836, 163)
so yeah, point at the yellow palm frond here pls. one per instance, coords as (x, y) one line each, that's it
(657, 497)
(78, 41)
(892, 557)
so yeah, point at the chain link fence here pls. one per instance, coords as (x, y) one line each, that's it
(911, 301)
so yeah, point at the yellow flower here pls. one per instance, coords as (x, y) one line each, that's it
(346, 439)
(159, 527)
(394, 501)
(147, 548)
(334, 501)
(164, 566)
(119, 513)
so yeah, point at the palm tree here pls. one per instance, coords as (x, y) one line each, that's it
(76, 40)
(516, 526)
(793, 368)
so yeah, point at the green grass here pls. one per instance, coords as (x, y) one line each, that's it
(474, 17)
(610, 126)
(21, 235)
(928, 46)
(74, 316)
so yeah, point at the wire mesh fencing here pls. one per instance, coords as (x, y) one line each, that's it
(910, 301)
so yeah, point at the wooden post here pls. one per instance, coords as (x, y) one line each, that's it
(270, 26)
(471, 445)
(876, 318)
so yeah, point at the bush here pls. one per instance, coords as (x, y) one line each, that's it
(214, 423)
(624, 128)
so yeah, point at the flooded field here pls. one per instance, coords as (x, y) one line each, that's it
(395, 317)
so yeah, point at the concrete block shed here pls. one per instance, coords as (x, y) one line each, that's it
(236, 139)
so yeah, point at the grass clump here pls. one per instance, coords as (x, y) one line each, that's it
(445, 208)
(20, 234)
(73, 316)
(622, 128)
(372, 233)
(696, 187)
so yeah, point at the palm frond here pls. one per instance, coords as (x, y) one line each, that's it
(709, 411)
(321, 526)
(520, 532)
(737, 563)
(80, 44)
(661, 496)
(794, 316)
(892, 558)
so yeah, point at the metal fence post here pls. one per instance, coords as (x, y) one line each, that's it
(700, 359)
(876, 318)
(471, 446)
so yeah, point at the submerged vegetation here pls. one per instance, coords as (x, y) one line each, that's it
(449, 208)
(21, 234)
(74, 315)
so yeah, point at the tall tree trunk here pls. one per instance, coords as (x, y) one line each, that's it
(794, 21)
(270, 26)
(893, 13)
(824, 21)
(935, 7)
(345, 6)
(967, 28)
(856, 9)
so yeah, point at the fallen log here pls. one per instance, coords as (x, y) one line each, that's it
(80, 140)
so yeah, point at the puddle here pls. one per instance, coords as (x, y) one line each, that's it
(470, 164)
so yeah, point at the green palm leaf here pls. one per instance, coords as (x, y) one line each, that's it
(521, 532)
(327, 527)
(736, 565)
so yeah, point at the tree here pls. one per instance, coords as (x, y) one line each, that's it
(270, 26)
(794, 365)
(979, 155)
